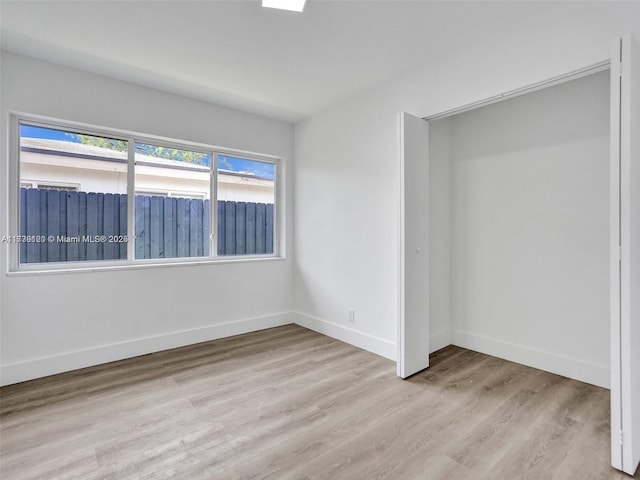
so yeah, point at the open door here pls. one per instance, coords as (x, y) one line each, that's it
(413, 321)
(625, 255)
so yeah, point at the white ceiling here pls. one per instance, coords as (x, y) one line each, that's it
(281, 64)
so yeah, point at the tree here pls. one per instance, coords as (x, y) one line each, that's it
(110, 143)
(186, 156)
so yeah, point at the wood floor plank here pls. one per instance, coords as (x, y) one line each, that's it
(290, 404)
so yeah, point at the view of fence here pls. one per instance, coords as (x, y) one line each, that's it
(65, 226)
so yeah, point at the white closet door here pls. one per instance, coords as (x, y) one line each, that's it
(413, 334)
(625, 264)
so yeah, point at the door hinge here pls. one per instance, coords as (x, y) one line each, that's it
(621, 437)
(619, 69)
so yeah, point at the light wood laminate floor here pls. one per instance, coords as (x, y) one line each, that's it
(288, 403)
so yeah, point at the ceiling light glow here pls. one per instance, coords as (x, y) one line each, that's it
(291, 5)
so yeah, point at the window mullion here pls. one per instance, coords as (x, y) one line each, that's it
(213, 235)
(131, 199)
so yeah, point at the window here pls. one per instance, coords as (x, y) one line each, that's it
(169, 226)
(86, 195)
(169, 193)
(48, 185)
(246, 198)
(58, 222)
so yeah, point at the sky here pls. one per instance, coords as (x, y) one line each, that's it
(225, 162)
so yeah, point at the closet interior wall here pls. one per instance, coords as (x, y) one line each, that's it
(519, 217)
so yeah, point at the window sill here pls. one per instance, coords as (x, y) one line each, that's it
(58, 269)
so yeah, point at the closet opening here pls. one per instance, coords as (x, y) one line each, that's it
(519, 238)
(519, 228)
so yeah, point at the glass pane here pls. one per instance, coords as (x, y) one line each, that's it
(246, 206)
(172, 207)
(73, 196)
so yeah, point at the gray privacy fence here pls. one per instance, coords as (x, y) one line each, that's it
(60, 226)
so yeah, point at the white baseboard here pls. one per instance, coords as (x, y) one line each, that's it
(587, 372)
(439, 340)
(372, 344)
(570, 367)
(42, 367)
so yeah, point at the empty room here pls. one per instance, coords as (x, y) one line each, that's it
(319, 239)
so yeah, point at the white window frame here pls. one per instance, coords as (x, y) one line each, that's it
(15, 267)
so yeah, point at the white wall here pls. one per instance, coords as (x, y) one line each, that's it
(56, 322)
(346, 177)
(530, 229)
(346, 197)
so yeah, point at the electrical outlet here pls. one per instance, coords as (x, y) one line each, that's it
(351, 315)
